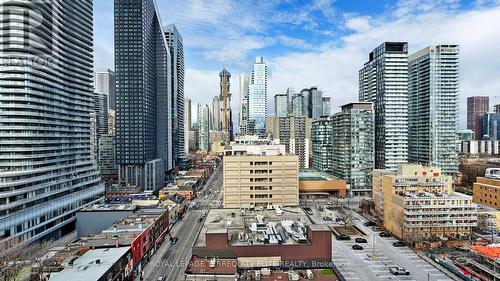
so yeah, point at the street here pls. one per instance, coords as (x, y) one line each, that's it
(171, 260)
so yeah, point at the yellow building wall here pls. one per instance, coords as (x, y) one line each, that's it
(486, 192)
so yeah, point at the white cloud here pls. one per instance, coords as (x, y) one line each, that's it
(201, 85)
(335, 69)
(358, 24)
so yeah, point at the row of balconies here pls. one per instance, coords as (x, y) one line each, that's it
(436, 218)
(442, 212)
(451, 206)
(447, 224)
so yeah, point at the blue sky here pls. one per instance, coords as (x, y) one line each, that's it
(318, 42)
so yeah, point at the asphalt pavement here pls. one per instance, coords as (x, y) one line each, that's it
(171, 260)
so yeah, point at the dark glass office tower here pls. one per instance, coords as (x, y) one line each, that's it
(175, 45)
(47, 171)
(143, 95)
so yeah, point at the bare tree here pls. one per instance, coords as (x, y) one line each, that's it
(12, 262)
(399, 219)
(43, 262)
(346, 216)
(23, 256)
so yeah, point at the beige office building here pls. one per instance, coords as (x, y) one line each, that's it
(418, 204)
(260, 175)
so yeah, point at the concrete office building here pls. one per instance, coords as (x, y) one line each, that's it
(244, 82)
(477, 107)
(257, 99)
(384, 81)
(223, 250)
(483, 147)
(420, 205)
(281, 107)
(143, 95)
(260, 175)
(47, 171)
(352, 146)
(203, 128)
(105, 83)
(295, 133)
(176, 48)
(322, 144)
(486, 190)
(433, 95)
(327, 106)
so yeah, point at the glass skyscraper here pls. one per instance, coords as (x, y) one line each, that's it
(322, 144)
(257, 99)
(384, 81)
(299, 105)
(352, 146)
(433, 93)
(203, 127)
(143, 95)
(315, 103)
(176, 48)
(327, 106)
(491, 126)
(105, 83)
(47, 171)
(281, 107)
(244, 82)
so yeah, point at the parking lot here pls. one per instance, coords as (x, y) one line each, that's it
(378, 254)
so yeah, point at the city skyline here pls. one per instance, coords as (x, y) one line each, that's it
(330, 61)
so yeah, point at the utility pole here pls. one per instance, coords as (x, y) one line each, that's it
(373, 246)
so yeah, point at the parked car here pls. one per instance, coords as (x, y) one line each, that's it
(398, 270)
(173, 240)
(343, 237)
(376, 228)
(327, 218)
(398, 244)
(384, 234)
(161, 278)
(357, 247)
(200, 219)
(369, 223)
(360, 240)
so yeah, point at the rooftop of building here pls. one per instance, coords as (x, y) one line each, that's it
(315, 175)
(268, 149)
(436, 195)
(110, 207)
(123, 232)
(90, 266)
(258, 226)
(490, 251)
(299, 275)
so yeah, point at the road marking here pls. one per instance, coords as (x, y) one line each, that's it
(182, 250)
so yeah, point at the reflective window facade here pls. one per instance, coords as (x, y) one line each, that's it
(257, 99)
(47, 171)
(384, 81)
(433, 91)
